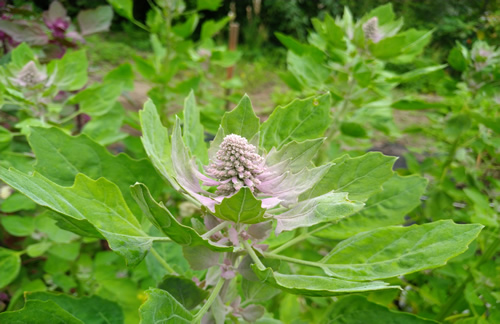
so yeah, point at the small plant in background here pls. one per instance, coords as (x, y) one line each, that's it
(258, 196)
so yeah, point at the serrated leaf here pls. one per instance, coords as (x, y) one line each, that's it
(241, 120)
(399, 196)
(297, 154)
(316, 285)
(193, 134)
(99, 202)
(242, 207)
(299, 121)
(357, 309)
(393, 251)
(166, 222)
(330, 207)
(10, 264)
(161, 307)
(79, 154)
(361, 177)
(183, 290)
(39, 312)
(88, 309)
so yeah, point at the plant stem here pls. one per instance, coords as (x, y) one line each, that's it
(299, 238)
(162, 261)
(70, 117)
(293, 260)
(215, 292)
(215, 229)
(254, 256)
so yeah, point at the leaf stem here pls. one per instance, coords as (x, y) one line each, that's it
(254, 256)
(215, 229)
(215, 292)
(293, 260)
(161, 239)
(299, 238)
(70, 117)
(162, 261)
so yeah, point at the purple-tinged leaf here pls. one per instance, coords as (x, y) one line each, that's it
(95, 20)
(20, 31)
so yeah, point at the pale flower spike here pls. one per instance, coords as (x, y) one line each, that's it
(29, 75)
(371, 30)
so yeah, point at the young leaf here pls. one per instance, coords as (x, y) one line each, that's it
(161, 307)
(394, 251)
(10, 263)
(361, 177)
(357, 309)
(88, 309)
(330, 207)
(166, 222)
(299, 121)
(316, 285)
(241, 120)
(100, 202)
(399, 196)
(242, 207)
(193, 130)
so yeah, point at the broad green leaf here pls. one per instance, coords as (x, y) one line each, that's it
(358, 310)
(156, 142)
(212, 5)
(95, 20)
(458, 58)
(37, 249)
(242, 207)
(361, 177)
(162, 308)
(79, 154)
(316, 285)
(70, 72)
(88, 309)
(10, 264)
(297, 154)
(212, 27)
(333, 33)
(256, 291)
(193, 134)
(16, 202)
(188, 27)
(168, 224)
(389, 47)
(399, 196)
(39, 312)
(122, 74)
(299, 121)
(409, 76)
(183, 290)
(393, 251)
(18, 225)
(241, 120)
(308, 69)
(330, 207)
(106, 129)
(123, 8)
(415, 104)
(21, 55)
(385, 14)
(100, 202)
(353, 129)
(99, 99)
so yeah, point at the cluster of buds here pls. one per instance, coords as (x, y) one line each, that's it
(29, 76)
(237, 164)
(371, 30)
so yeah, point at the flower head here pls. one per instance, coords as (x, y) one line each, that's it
(371, 30)
(29, 75)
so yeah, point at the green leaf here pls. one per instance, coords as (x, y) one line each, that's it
(353, 129)
(156, 142)
(17, 202)
(393, 251)
(330, 207)
(193, 130)
(183, 290)
(299, 121)
(308, 69)
(5, 137)
(384, 13)
(70, 72)
(361, 177)
(79, 154)
(123, 8)
(106, 129)
(161, 307)
(316, 285)
(241, 120)
(186, 28)
(298, 154)
(398, 197)
(39, 312)
(100, 202)
(18, 225)
(10, 264)
(122, 74)
(458, 58)
(88, 309)
(21, 55)
(212, 27)
(389, 47)
(409, 76)
(95, 20)
(333, 33)
(212, 5)
(412, 104)
(37, 249)
(357, 310)
(242, 207)
(166, 222)
(99, 99)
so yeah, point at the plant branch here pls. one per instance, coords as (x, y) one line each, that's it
(299, 238)
(254, 256)
(293, 260)
(215, 292)
(215, 229)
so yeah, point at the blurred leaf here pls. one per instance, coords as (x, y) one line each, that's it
(19, 225)
(409, 76)
(353, 129)
(17, 202)
(187, 27)
(411, 104)
(10, 264)
(212, 5)
(95, 20)
(122, 74)
(458, 58)
(99, 99)
(70, 72)
(212, 27)
(123, 8)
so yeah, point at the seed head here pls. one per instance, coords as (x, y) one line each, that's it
(236, 164)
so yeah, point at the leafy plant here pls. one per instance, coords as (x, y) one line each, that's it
(258, 196)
